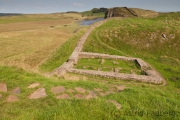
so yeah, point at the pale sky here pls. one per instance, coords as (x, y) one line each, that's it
(52, 6)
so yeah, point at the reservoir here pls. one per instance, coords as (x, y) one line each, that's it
(89, 22)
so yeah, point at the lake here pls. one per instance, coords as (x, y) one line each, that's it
(89, 22)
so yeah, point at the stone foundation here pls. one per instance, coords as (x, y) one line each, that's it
(151, 75)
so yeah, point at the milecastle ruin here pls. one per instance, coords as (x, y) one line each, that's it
(151, 75)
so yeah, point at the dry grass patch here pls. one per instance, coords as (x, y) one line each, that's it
(33, 25)
(27, 44)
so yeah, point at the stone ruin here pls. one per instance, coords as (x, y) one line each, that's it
(151, 75)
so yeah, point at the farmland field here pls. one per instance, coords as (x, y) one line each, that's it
(27, 41)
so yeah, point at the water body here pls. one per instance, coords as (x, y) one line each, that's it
(89, 22)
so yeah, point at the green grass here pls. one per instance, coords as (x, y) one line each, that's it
(142, 37)
(108, 65)
(139, 101)
(89, 13)
(62, 54)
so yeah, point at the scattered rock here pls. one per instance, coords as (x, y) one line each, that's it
(16, 91)
(102, 94)
(115, 63)
(1, 96)
(106, 93)
(112, 89)
(98, 90)
(79, 96)
(3, 87)
(80, 90)
(12, 98)
(63, 96)
(164, 36)
(120, 88)
(34, 85)
(102, 61)
(133, 72)
(99, 69)
(70, 90)
(109, 92)
(57, 90)
(40, 93)
(118, 106)
(112, 70)
(116, 70)
(91, 94)
(172, 36)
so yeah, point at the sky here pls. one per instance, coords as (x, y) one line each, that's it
(53, 6)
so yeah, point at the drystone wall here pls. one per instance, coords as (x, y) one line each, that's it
(151, 75)
(73, 59)
(122, 76)
(104, 56)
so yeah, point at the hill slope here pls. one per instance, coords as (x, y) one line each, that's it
(129, 12)
(156, 40)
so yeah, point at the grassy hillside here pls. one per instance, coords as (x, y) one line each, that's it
(155, 40)
(144, 13)
(61, 55)
(138, 100)
(129, 12)
(90, 14)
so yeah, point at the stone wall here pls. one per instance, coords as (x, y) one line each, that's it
(151, 75)
(73, 59)
(121, 76)
(104, 56)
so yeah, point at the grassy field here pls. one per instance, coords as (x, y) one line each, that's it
(119, 66)
(61, 55)
(128, 37)
(138, 100)
(28, 40)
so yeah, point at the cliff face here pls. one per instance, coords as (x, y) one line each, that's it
(128, 12)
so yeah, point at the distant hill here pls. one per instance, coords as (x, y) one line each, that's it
(72, 12)
(97, 10)
(9, 14)
(129, 12)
